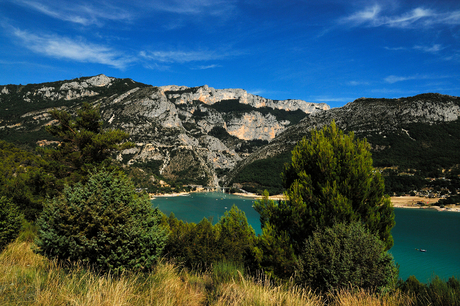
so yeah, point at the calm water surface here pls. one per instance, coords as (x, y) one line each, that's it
(437, 232)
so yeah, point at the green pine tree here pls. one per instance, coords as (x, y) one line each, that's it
(83, 145)
(330, 180)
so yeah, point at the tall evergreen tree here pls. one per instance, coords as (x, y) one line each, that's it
(330, 180)
(83, 144)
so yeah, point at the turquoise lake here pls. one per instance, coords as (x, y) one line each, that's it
(437, 232)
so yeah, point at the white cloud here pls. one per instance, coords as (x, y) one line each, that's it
(430, 49)
(357, 83)
(369, 14)
(81, 13)
(186, 56)
(207, 67)
(395, 48)
(373, 16)
(393, 78)
(192, 7)
(67, 48)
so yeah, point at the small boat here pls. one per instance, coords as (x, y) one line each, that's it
(421, 250)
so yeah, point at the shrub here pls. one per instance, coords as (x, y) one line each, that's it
(104, 223)
(346, 255)
(10, 222)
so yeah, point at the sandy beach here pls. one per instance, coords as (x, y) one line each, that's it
(256, 196)
(247, 195)
(414, 202)
(164, 195)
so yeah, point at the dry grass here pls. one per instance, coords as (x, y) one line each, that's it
(262, 292)
(365, 298)
(30, 279)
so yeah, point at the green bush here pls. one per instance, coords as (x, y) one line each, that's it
(104, 223)
(346, 255)
(201, 245)
(10, 222)
(437, 293)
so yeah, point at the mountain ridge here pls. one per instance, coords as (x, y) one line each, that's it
(194, 132)
(206, 136)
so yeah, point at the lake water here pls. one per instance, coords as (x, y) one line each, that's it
(437, 232)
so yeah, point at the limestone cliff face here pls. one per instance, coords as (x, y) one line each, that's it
(189, 134)
(209, 95)
(254, 125)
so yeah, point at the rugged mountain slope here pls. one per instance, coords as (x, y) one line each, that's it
(192, 135)
(420, 133)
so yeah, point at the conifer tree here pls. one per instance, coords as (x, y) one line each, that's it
(10, 222)
(103, 223)
(330, 180)
(83, 143)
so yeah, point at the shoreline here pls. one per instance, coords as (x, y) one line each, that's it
(246, 195)
(409, 202)
(414, 202)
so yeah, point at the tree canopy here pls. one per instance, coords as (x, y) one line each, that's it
(83, 143)
(24, 180)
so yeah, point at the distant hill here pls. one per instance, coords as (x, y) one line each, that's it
(412, 138)
(183, 135)
(207, 136)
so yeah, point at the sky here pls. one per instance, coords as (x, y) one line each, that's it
(330, 51)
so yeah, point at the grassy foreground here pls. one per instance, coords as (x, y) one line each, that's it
(30, 279)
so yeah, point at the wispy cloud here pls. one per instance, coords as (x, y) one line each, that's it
(430, 49)
(329, 99)
(187, 56)
(394, 78)
(194, 7)
(80, 13)
(357, 83)
(72, 49)
(373, 16)
(205, 67)
(395, 48)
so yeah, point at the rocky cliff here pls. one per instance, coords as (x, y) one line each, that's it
(420, 133)
(193, 135)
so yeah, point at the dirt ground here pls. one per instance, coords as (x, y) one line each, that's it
(411, 201)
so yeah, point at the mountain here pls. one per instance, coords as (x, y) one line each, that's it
(212, 137)
(411, 138)
(188, 135)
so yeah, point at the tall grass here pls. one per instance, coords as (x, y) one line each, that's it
(30, 279)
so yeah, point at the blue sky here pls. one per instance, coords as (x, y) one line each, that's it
(319, 51)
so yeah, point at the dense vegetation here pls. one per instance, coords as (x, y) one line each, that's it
(24, 180)
(263, 174)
